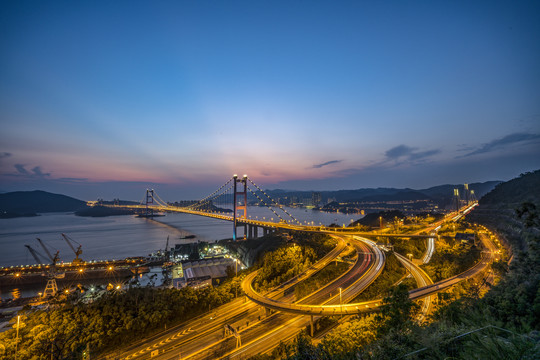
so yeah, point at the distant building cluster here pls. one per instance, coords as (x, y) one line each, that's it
(315, 201)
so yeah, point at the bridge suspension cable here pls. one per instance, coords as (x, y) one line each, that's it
(209, 199)
(143, 200)
(268, 206)
(275, 202)
(160, 201)
(209, 196)
(225, 195)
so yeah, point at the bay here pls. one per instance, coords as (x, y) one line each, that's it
(118, 237)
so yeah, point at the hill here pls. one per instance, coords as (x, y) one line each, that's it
(441, 195)
(497, 209)
(30, 202)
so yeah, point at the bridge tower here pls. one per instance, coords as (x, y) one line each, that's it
(149, 212)
(237, 206)
(467, 193)
(456, 200)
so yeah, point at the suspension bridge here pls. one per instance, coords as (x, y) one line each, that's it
(234, 193)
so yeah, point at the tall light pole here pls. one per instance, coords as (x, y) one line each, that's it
(17, 338)
(409, 255)
(340, 304)
(235, 277)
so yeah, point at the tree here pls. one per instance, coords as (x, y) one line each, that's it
(397, 312)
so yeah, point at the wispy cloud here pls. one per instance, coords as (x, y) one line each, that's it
(4, 155)
(399, 151)
(423, 154)
(72, 180)
(404, 152)
(37, 172)
(34, 172)
(503, 142)
(21, 170)
(318, 166)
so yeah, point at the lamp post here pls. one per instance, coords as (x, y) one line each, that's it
(235, 278)
(17, 338)
(409, 255)
(340, 304)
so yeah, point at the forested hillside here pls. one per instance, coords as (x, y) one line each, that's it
(38, 202)
(497, 209)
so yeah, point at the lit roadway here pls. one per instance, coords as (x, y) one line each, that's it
(259, 336)
(282, 327)
(190, 339)
(425, 291)
(264, 343)
(361, 277)
(208, 329)
(422, 279)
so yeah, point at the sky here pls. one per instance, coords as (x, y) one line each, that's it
(102, 99)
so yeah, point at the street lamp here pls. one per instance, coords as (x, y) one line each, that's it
(340, 304)
(235, 278)
(409, 255)
(17, 339)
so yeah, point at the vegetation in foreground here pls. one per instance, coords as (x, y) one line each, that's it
(290, 258)
(112, 320)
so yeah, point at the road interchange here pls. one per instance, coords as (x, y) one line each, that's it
(186, 340)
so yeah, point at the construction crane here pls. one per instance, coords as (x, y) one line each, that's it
(54, 259)
(77, 252)
(51, 288)
(39, 258)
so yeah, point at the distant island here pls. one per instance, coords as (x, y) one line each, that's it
(30, 203)
(11, 214)
(102, 211)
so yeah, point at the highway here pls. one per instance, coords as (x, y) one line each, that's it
(260, 333)
(486, 259)
(280, 326)
(361, 281)
(422, 279)
(367, 306)
(289, 329)
(262, 336)
(187, 338)
(358, 278)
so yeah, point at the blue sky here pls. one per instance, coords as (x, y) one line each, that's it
(102, 99)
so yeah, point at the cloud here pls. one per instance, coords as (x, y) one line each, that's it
(399, 151)
(318, 166)
(409, 153)
(503, 142)
(74, 180)
(21, 170)
(35, 172)
(4, 155)
(423, 154)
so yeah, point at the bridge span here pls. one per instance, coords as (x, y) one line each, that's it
(235, 191)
